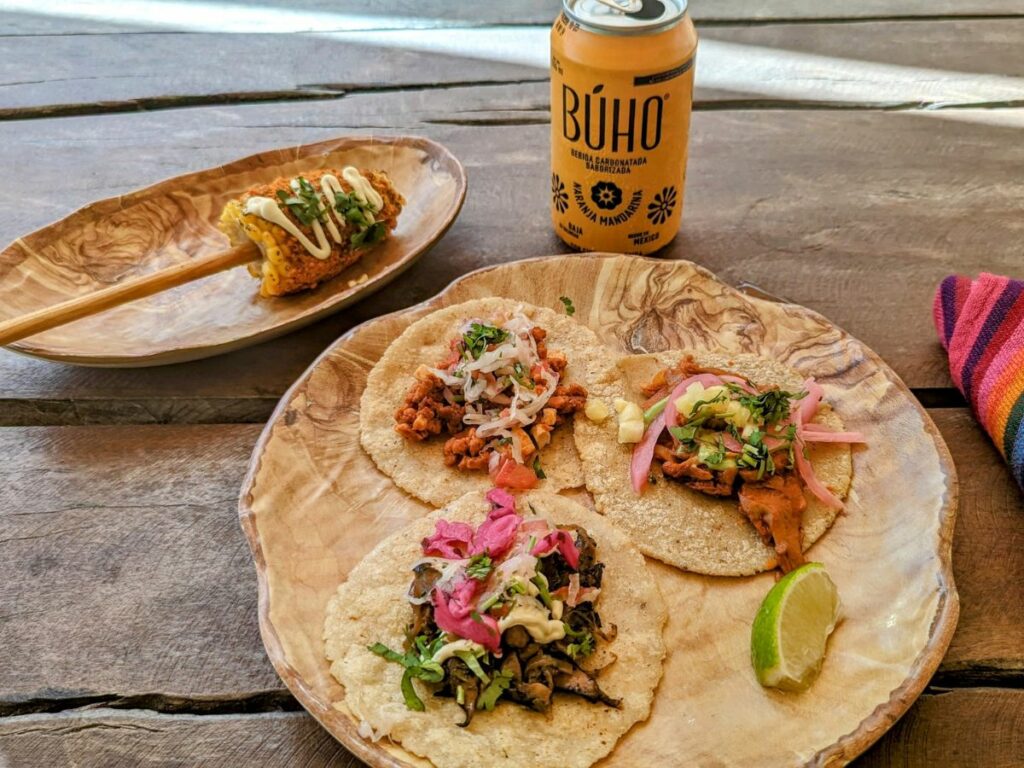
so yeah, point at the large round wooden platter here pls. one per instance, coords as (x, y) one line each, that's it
(165, 224)
(313, 504)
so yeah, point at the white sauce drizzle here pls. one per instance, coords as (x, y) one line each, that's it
(365, 193)
(269, 210)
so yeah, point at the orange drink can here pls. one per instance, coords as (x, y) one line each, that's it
(621, 96)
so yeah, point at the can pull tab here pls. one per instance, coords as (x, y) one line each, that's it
(626, 6)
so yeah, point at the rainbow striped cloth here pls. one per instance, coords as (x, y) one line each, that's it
(981, 325)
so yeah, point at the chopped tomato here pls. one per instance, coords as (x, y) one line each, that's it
(515, 476)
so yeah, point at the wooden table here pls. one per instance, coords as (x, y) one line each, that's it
(846, 156)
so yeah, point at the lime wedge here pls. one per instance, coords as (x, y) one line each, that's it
(787, 641)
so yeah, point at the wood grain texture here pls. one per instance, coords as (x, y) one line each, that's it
(166, 224)
(127, 290)
(967, 728)
(972, 728)
(988, 559)
(413, 14)
(145, 530)
(134, 739)
(864, 64)
(857, 215)
(900, 613)
(125, 573)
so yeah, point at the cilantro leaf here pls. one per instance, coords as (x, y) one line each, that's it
(417, 664)
(304, 202)
(498, 685)
(479, 336)
(479, 567)
(584, 647)
(537, 468)
(371, 235)
(412, 701)
(570, 310)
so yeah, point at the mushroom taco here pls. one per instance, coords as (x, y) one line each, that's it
(480, 394)
(500, 631)
(723, 465)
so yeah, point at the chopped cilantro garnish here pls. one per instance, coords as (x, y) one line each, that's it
(570, 310)
(537, 468)
(479, 567)
(717, 456)
(304, 201)
(476, 340)
(583, 645)
(417, 664)
(695, 409)
(768, 407)
(372, 235)
(498, 685)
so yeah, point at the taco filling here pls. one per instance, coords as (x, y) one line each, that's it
(723, 435)
(497, 396)
(505, 611)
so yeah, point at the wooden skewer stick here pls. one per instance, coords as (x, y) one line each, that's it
(123, 292)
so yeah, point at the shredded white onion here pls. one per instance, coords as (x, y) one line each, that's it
(496, 401)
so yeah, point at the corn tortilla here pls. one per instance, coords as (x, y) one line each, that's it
(370, 607)
(418, 468)
(686, 528)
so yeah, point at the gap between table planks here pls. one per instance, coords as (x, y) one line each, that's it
(129, 583)
(857, 215)
(889, 64)
(933, 732)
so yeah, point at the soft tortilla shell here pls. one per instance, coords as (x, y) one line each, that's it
(418, 468)
(685, 528)
(370, 607)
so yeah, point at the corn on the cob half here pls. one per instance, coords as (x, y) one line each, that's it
(288, 265)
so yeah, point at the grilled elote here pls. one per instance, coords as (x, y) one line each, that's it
(310, 228)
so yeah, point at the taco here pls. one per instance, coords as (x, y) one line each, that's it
(500, 631)
(480, 394)
(727, 465)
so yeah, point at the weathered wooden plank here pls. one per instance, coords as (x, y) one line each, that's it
(24, 18)
(855, 214)
(125, 572)
(116, 739)
(865, 64)
(988, 558)
(969, 728)
(129, 576)
(107, 72)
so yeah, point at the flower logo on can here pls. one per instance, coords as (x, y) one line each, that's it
(606, 195)
(661, 208)
(559, 197)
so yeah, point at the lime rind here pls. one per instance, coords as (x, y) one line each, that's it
(791, 629)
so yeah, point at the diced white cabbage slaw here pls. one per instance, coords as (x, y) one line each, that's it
(489, 406)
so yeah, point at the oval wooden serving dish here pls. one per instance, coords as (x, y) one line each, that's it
(313, 504)
(173, 220)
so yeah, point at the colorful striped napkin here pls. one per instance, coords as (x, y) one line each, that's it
(981, 325)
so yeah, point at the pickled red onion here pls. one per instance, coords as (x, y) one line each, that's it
(814, 485)
(562, 541)
(643, 453)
